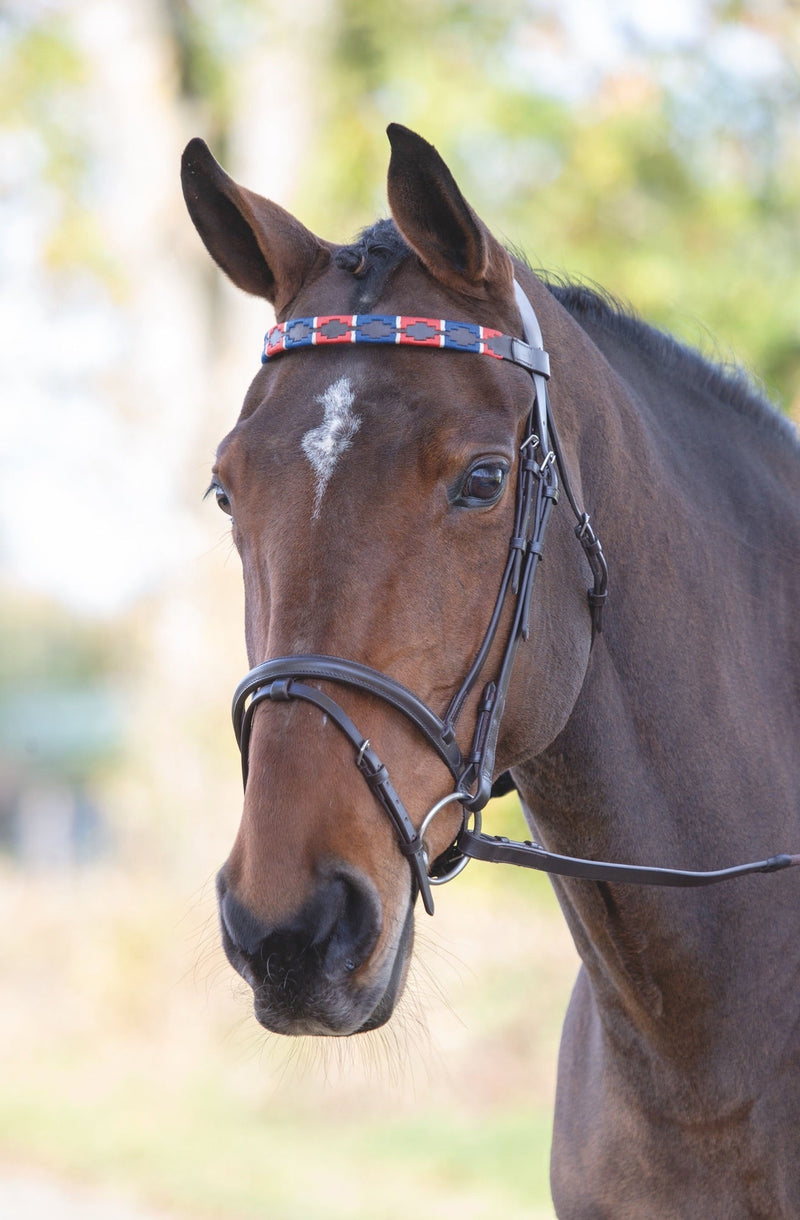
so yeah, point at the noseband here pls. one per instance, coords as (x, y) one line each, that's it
(539, 467)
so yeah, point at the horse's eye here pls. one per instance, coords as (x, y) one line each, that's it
(483, 484)
(221, 496)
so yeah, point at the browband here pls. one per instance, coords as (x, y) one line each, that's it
(416, 332)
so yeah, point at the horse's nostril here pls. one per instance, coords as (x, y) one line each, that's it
(245, 931)
(357, 924)
(332, 934)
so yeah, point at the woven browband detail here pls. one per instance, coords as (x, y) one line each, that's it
(385, 328)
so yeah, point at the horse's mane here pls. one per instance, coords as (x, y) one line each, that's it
(380, 247)
(728, 382)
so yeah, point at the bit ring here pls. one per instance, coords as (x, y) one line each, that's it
(463, 861)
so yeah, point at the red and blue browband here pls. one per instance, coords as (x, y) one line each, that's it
(418, 332)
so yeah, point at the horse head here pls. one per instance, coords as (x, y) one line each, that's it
(371, 490)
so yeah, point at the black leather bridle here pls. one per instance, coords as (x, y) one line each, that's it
(540, 465)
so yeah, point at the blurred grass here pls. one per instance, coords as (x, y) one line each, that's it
(132, 1059)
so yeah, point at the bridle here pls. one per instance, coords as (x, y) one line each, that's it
(539, 467)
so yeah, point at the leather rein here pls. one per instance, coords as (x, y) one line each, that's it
(540, 465)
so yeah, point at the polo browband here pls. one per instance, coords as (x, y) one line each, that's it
(410, 331)
(540, 465)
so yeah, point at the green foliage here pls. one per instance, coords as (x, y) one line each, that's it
(674, 181)
(48, 154)
(209, 38)
(41, 72)
(40, 61)
(670, 174)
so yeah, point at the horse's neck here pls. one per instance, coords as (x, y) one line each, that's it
(681, 750)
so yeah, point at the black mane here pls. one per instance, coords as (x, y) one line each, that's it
(730, 383)
(380, 247)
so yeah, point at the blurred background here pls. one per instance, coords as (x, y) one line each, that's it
(651, 148)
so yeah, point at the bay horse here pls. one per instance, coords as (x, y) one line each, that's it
(389, 480)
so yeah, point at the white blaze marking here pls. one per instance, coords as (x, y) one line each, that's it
(323, 446)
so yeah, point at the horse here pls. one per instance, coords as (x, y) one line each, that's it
(397, 458)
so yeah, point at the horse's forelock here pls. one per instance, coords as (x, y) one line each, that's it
(374, 254)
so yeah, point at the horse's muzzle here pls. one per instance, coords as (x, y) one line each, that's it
(312, 973)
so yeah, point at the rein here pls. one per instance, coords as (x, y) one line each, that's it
(539, 468)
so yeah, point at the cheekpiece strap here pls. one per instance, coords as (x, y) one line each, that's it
(413, 331)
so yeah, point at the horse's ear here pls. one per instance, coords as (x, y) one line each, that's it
(438, 223)
(258, 245)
